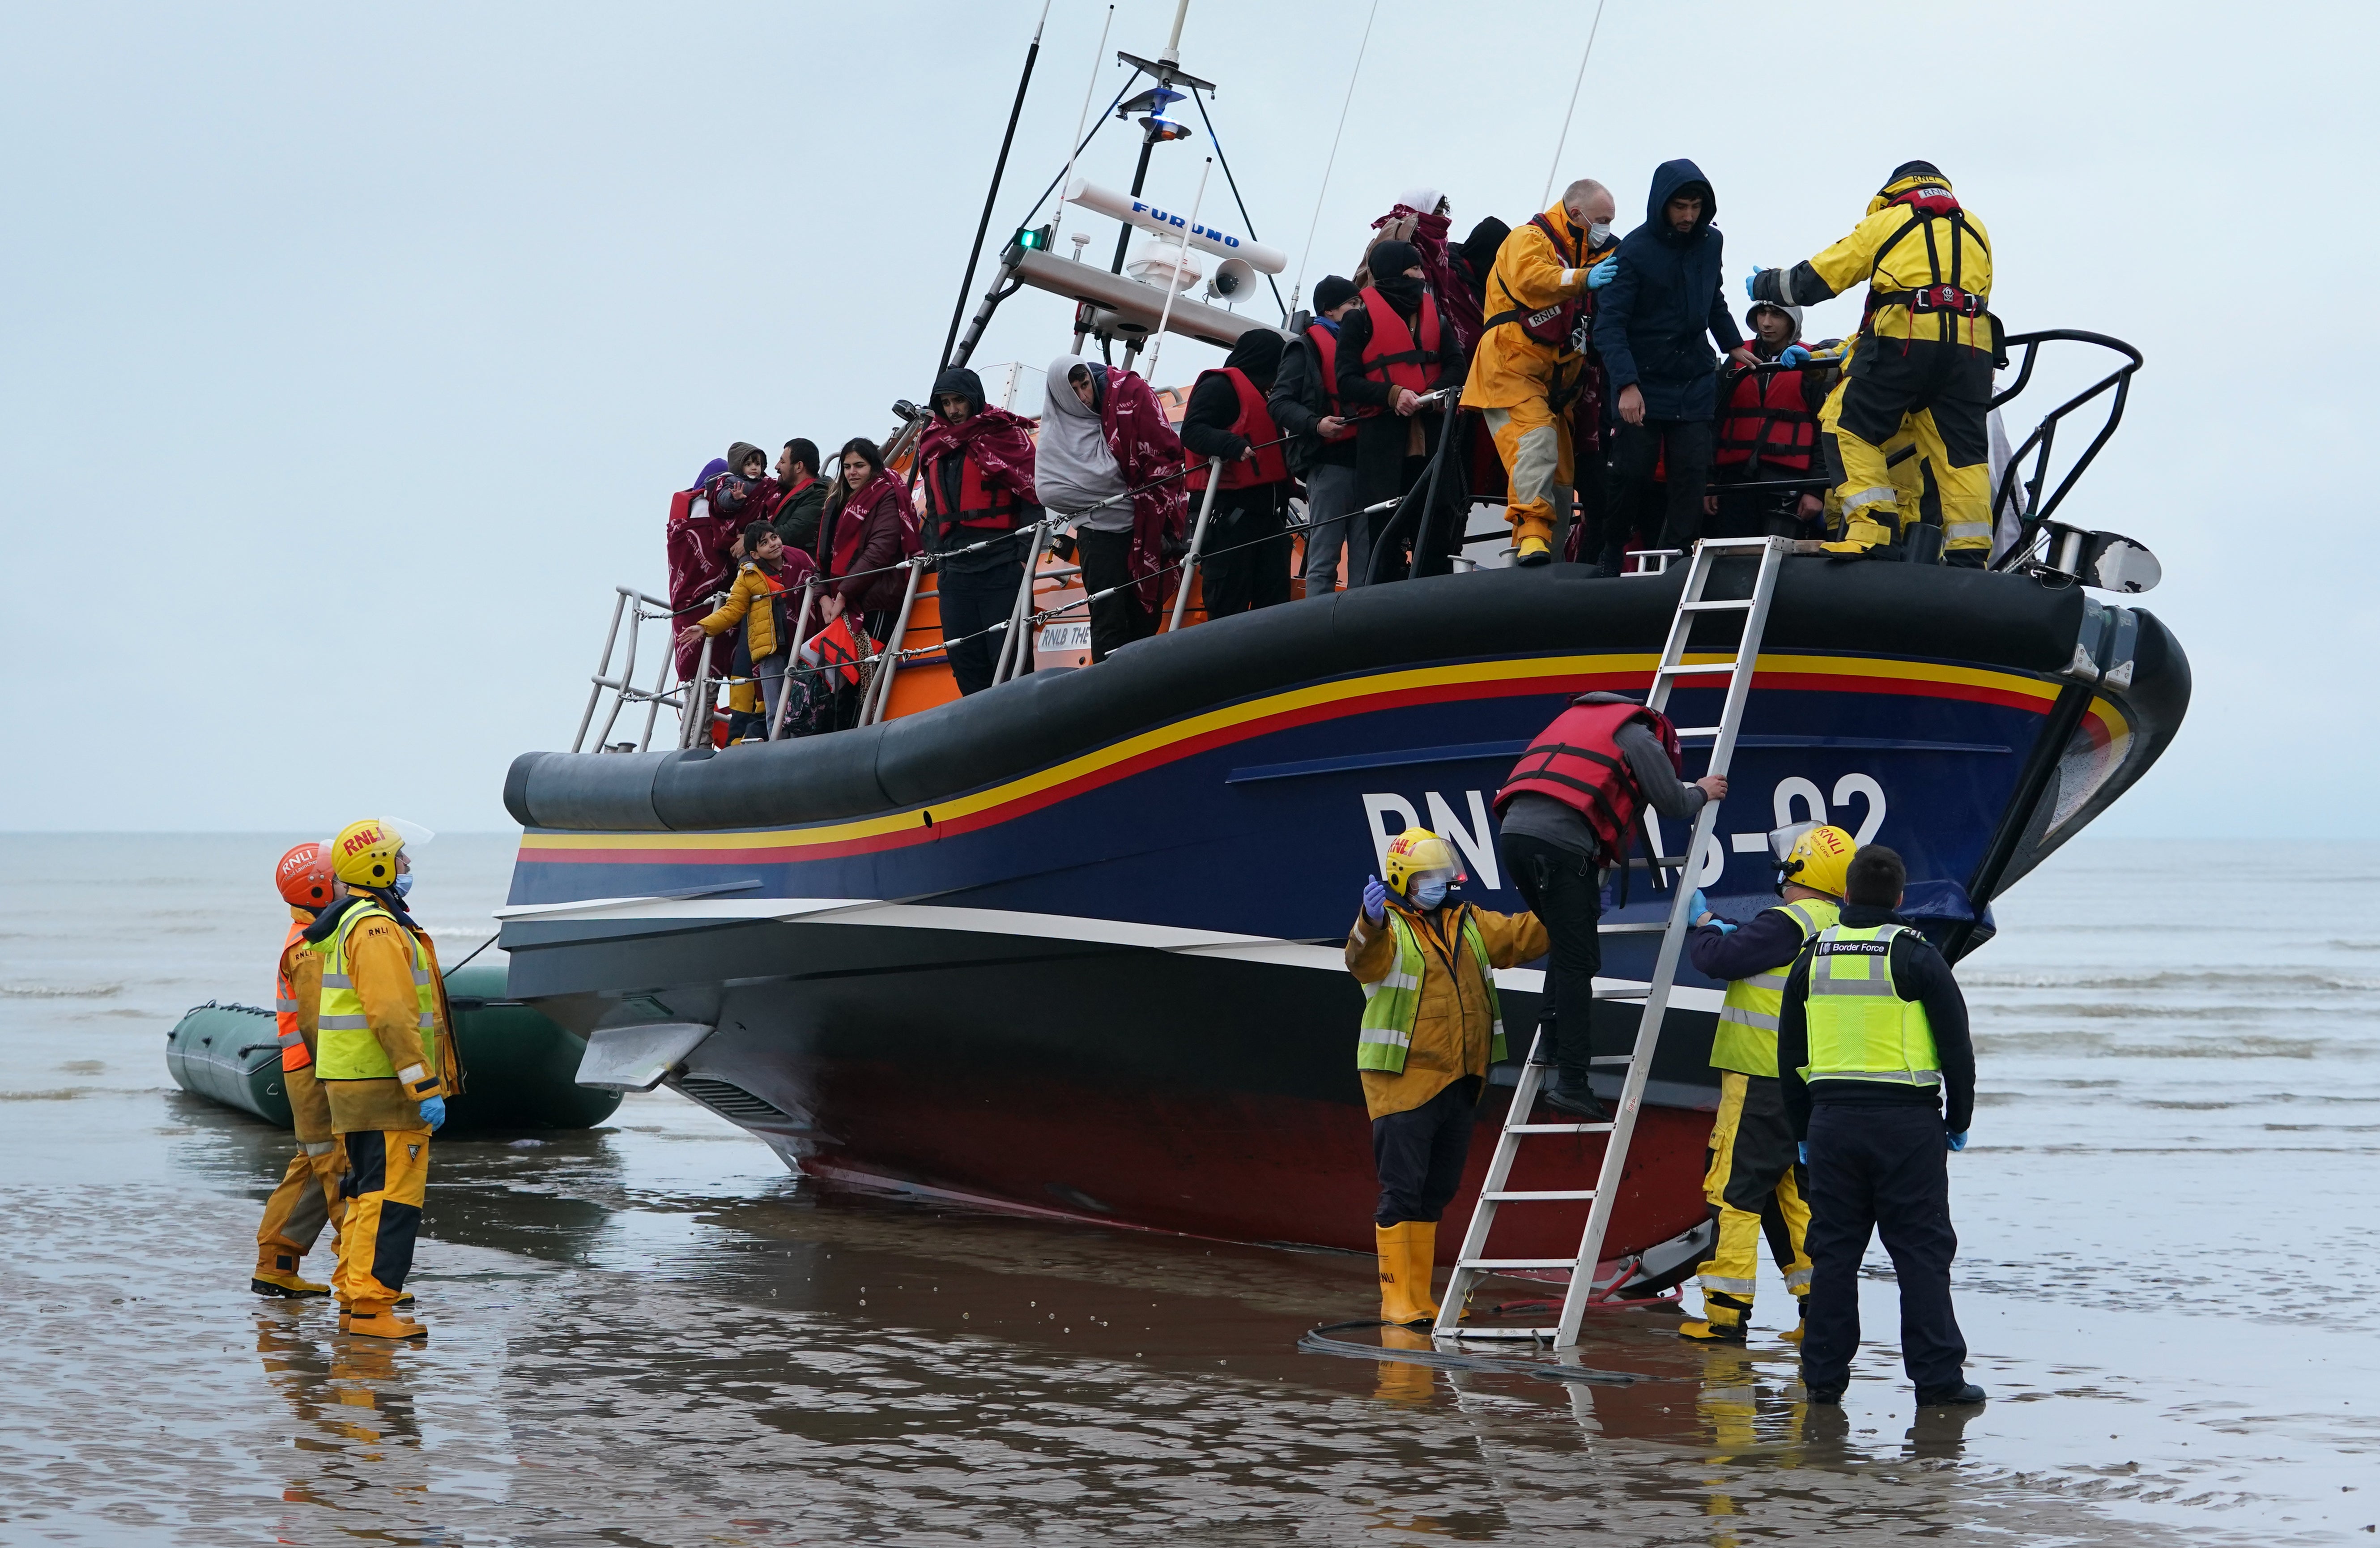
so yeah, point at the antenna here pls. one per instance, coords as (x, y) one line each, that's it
(1066, 178)
(1297, 289)
(1547, 198)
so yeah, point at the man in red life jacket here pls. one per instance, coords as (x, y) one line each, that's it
(1531, 361)
(1245, 558)
(1304, 404)
(1571, 807)
(977, 475)
(1394, 350)
(1767, 430)
(308, 1196)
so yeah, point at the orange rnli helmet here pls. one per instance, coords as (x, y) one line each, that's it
(304, 877)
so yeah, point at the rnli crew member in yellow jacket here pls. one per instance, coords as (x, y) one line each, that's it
(1879, 1079)
(1922, 361)
(1531, 355)
(308, 1196)
(387, 1062)
(1751, 1184)
(1432, 1025)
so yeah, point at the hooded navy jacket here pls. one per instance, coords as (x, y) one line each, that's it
(1651, 321)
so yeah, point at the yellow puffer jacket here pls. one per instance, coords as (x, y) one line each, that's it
(1452, 1025)
(749, 598)
(1893, 248)
(1509, 368)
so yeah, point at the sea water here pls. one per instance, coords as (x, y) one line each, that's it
(651, 1333)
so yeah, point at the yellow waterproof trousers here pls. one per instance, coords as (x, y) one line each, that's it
(387, 1170)
(306, 1199)
(1751, 1175)
(1535, 444)
(1935, 398)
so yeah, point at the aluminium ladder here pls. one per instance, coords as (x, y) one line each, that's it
(1473, 1262)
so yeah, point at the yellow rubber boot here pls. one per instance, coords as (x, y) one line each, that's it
(1802, 1325)
(378, 1320)
(1400, 1301)
(1724, 1320)
(1862, 536)
(1421, 1262)
(278, 1281)
(1534, 551)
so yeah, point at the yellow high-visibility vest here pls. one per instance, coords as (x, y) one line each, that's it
(1390, 1005)
(345, 1047)
(1860, 1027)
(1746, 1042)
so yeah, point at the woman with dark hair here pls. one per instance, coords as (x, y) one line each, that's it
(873, 527)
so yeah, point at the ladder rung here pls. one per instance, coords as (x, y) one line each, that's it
(1499, 1333)
(1645, 929)
(1727, 666)
(1557, 1129)
(1527, 1194)
(1714, 607)
(1516, 1263)
(1684, 731)
(1618, 1058)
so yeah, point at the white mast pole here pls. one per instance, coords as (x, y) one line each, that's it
(1174, 289)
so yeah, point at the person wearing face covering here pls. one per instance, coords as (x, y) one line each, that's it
(1654, 325)
(1103, 459)
(1393, 350)
(977, 463)
(1531, 370)
(1421, 217)
(1432, 1025)
(1245, 560)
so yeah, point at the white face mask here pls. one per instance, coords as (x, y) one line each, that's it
(1597, 233)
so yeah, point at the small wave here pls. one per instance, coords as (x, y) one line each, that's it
(2107, 1045)
(58, 990)
(2300, 978)
(64, 1093)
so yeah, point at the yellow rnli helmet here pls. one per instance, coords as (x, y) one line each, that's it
(364, 854)
(1813, 855)
(1415, 852)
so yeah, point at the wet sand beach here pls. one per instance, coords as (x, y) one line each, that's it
(651, 1333)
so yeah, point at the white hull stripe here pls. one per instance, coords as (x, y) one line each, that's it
(1054, 927)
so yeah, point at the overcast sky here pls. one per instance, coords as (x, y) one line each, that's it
(352, 354)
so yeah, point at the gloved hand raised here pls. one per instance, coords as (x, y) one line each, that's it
(1958, 1141)
(433, 1112)
(1603, 274)
(1751, 279)
(1795, 355)
(1699, 911)
(1375, 900)
(1803, 1150)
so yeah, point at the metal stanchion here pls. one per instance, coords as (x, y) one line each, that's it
(1198, 537)
(793, 661)
(1015, 640)
(888, 657)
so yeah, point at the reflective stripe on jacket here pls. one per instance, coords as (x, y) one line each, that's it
(1860, 1027)
(349, 1051)
(1746, 1040)
(1392, 1004)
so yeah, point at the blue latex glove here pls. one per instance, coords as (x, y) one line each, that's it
(1748, 280)
(1697, 905)
(1803, 1151)
(1795, 355)
(433, 1112)
(1959, 1141)
(1375, 900)
(1603, 274)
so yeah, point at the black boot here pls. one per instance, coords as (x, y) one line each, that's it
(1569, 1090)
(1943, 1397)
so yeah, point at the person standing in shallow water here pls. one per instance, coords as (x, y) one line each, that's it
(1879, 1079)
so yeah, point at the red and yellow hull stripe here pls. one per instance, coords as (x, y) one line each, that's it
(1300, 706)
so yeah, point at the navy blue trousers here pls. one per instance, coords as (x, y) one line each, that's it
(1880, 1171)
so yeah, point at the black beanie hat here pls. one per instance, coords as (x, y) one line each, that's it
(1915, 169)
(1392, 257)
(1335, 291)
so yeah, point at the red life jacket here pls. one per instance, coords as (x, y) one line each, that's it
(1394, 356)
(980, 505)
(1576, 761)
(1555, 325)
(1326, 346)
(1253, 425)
(1767, 423)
